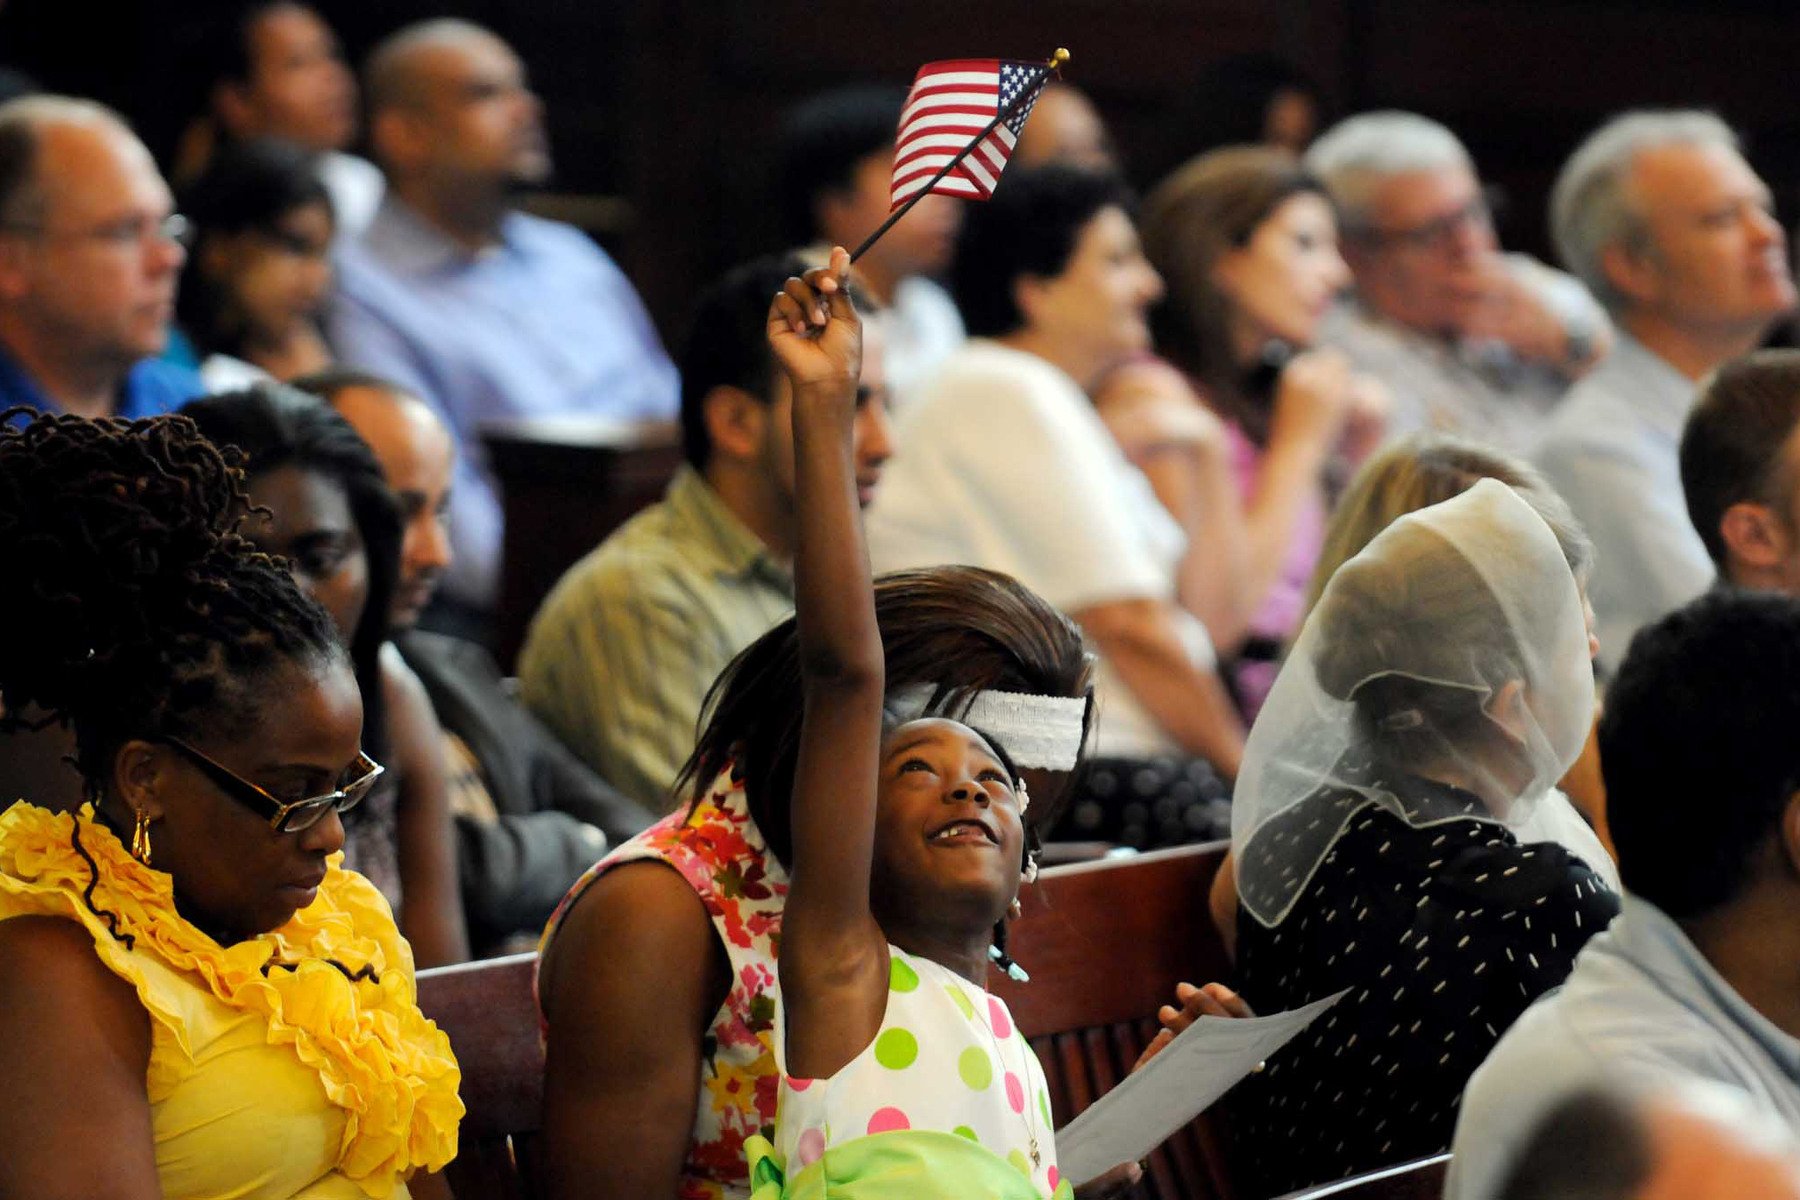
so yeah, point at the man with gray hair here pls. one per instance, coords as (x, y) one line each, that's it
(1661, 216)
(456, 296)
(90, 249)
(1469, 340)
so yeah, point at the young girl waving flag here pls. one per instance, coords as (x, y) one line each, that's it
(901, 1075)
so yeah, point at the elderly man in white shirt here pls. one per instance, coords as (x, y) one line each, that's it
(1698, 979)
(1468, 340)
(1003, 462)
(1661, 216)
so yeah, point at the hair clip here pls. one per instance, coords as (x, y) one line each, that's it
(1024, 795)
(1406, 718)
(1012, 970)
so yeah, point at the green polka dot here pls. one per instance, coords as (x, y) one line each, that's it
(1044, 1107)
(1017, 1158)
(975, 1068)
(901, 978)
(896, 1049)
(962, 1001)
(963, 1131)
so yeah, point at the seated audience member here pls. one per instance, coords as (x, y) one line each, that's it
(198, 998)
(658, 981)
(1005, 464)
(484, 312)
(90, 248)
(1412, 473)
(1695, 980)
(1468, 339)
(1064, 127)
(1670, 227)
(1252, 99)
(1438, 691)
(274, 69)
(619, 658)
(1247, 244)
(530, 817)
(1740, 471)
(835, 171)
(260, 269)
(331, 518)
(1688, 1143)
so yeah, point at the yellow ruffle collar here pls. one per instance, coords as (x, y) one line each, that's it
(381, 1061)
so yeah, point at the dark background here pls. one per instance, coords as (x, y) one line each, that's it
(669, 105)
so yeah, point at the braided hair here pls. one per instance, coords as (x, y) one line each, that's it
(275, 426)
(135, 609)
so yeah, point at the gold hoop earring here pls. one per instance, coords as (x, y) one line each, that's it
(140, 839)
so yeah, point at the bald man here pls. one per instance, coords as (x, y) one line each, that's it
(530, 816)
(89, 256)
(485, 313)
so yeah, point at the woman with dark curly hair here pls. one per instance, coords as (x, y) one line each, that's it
(197, 998)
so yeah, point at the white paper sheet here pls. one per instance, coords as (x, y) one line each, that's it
(1176, 1086)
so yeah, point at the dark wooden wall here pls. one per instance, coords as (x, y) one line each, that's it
(671, 104)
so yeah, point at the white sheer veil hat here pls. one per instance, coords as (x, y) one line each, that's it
(1453, 649)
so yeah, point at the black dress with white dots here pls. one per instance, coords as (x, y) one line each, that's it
(1444, 928)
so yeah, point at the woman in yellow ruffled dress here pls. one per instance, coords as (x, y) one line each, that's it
(196, 1000)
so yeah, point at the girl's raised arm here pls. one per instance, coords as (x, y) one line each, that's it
(834, 967)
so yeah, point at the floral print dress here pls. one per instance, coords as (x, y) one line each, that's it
(716, 847)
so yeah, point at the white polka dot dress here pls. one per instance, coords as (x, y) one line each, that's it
(946, 1060)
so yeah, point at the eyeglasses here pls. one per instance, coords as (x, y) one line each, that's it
(121, 234)
(1439, 233)
(285, 817)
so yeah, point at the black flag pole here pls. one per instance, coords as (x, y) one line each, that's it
(1050, 67)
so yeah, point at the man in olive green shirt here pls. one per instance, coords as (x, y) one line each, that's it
(619, 659)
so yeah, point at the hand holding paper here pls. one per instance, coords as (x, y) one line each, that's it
(1194, 1069)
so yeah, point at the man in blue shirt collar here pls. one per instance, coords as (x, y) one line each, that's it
(90, 250)
(485, 312)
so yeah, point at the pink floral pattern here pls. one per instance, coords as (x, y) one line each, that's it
(718, 849)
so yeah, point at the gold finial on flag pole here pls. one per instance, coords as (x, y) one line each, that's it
(1058, 59)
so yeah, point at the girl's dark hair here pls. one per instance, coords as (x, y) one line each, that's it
(248, 187)
(134, 609)
(963, 629)
(274, 426)
(1211, 206)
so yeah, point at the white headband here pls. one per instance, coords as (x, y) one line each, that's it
(1043, 732)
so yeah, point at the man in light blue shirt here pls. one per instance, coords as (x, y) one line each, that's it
(483, 311)
(1698, 979)
(1662, 218)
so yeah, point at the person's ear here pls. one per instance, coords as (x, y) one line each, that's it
(1029, 296)
(1754, 536)
(15, 280)
(1790, 833)
(236, 112)
(1507, 709)
(1228, 272)
(833, 210)
(398, 138)
(218, 255)
(141, 777)
(1634, 274)
(737, 423)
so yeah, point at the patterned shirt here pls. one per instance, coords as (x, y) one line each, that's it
(1443, 933)
(623, 651)
(718, 849)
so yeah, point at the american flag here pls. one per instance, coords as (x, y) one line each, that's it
(950, 105)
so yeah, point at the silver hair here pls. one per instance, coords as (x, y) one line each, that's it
(1591, 207)
(1354, 156)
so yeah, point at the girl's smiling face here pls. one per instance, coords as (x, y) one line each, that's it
(949, 834)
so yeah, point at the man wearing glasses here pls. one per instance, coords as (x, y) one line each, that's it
(90, 249)
(1469, 340)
